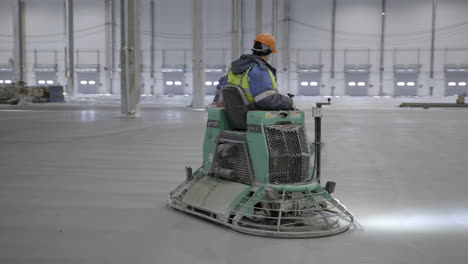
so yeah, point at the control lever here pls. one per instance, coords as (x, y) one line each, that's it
(291, 96)
(317, 114)
(319, 105)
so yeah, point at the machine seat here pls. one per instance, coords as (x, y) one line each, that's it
(236, 106)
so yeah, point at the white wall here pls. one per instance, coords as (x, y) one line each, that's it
(44, 30)
(403, 39)
(408, 28)
(89, 25)
(452, 25)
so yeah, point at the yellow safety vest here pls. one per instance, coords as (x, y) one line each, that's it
(239, 79)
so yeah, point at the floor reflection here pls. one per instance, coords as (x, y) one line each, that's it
(417, 221)
(88, 116)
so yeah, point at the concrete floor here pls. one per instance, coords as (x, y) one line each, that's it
(80, 185)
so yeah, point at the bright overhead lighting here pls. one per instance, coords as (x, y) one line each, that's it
(1, 81)
(462, 84)
(41, 82)
(178, 83)
(7, 81)
(215, 83)
(92, 82)
(208, 83)
(452, 84)
(400, 84)
(361, 83)
(50, 82)
(304, 83)
(313, 83)
(351, 84)
(169, 83)
(83, 82)
(410, 84)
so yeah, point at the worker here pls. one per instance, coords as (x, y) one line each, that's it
(258, 78)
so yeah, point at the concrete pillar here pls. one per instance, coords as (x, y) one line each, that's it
(258, 16)
(130, 80)
(198, 54)
(432, 81)
(274, 28)
(18, 36)
(109, 52)
(285, 52)
(158, 79)
(69, 48)
(382, 49)
(332, 83)
(236, 38)
(152, 47)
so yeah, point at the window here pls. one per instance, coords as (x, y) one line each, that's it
(7, 81)
(208, 83)
(215, 83)
(313, 83)
(400, 84)
(462, 84)
(91, 82)
(169, 83)
(410, 84)
(50, 82)
(304, 83)
(351, 84)
(84, 82)
(452, 84)
(41, 82)
(361, 84)
(177, 83)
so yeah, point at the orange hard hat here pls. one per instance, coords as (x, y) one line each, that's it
(267, 39)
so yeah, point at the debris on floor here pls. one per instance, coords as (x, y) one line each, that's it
(20, 94)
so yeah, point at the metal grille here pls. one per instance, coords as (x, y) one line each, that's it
(289, 154)
(238, 162)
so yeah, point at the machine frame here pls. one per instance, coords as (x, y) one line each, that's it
(297, 209)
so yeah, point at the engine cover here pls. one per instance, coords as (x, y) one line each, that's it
(232, 161)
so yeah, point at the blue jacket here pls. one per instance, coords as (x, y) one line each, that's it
(260, 82)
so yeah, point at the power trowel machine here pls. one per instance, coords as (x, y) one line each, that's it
(260, 174)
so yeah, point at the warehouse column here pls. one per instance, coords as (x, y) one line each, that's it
(332, 62)
(286, 36)
(274, 28)
(109, 44)
(236, 37)
(258, 16)
(129, 58)
(198, 54)
(18, 35)
(431, 73)
(69, 48)
(152, 47)
(382, 49)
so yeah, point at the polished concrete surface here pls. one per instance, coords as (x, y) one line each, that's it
(78, 184)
